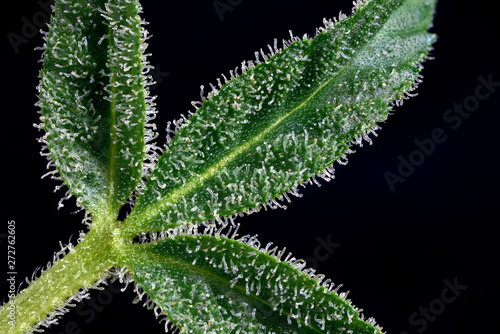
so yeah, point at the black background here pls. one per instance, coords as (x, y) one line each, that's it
(395, 249)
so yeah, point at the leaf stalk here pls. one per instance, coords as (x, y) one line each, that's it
(68, 279)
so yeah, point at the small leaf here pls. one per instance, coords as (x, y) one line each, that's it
(215, 284)
(288, 117)
(93, 101)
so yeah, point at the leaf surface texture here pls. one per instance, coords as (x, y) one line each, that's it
(93, 100)
(215, 284)
(288, 117)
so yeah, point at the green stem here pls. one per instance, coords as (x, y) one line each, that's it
(82, 267)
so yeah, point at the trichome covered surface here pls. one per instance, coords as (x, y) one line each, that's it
(288, 117)
(93, 100)
(258, 135)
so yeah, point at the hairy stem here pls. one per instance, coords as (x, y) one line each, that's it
(79, 270)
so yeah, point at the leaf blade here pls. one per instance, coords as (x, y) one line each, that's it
(93, 100)
(284, 120)
(215, 284)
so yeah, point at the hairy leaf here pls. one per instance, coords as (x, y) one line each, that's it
(288, 117)
(216, 284)
(93, 101)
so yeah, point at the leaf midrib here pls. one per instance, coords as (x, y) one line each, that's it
(113, 143)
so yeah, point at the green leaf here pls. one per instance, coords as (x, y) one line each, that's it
(216, 284)
(93, 101)
(288, 117)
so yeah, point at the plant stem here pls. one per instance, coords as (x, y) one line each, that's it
(81, 268)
